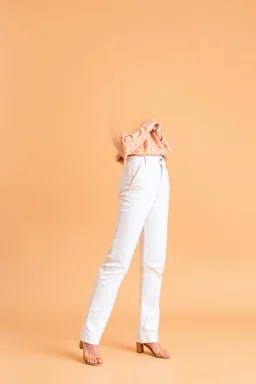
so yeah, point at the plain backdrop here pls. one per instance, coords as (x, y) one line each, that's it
(70, 73)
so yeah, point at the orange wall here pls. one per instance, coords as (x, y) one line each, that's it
(70, 72)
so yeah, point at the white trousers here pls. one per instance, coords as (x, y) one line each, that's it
(142, 213)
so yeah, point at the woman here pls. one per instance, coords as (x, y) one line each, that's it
(142, 212)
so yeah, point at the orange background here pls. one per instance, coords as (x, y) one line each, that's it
(72, 71)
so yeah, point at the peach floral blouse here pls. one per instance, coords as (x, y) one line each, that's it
(141, 142)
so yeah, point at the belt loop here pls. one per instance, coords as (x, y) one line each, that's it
(145, 159)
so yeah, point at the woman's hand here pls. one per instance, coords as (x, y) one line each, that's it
(150, 125)
(158, 130)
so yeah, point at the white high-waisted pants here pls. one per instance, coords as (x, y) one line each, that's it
(142, 213)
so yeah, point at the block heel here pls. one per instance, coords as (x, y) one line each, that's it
(139, 347)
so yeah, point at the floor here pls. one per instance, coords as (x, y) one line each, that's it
(205, 350)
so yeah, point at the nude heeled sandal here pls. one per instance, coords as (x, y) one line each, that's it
(160, 354)
(86, 358)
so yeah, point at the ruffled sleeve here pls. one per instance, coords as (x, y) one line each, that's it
(126, 143)
(165, 144)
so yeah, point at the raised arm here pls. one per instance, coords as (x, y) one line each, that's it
(165, 144)
(128, 143)
(158, 131)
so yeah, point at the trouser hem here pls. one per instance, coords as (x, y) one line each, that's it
(90, 338)
(149, 337)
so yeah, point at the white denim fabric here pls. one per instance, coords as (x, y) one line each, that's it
(142, 213)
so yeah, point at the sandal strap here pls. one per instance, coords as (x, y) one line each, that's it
(159, 354)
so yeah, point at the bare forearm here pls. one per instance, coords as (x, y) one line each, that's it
(158, 131)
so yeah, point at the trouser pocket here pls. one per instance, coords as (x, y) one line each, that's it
(131, 176)
(136, 170)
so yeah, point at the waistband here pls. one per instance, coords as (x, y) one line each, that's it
(145, 159)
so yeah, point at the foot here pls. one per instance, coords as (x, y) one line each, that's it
(156, 349)
(91, 350)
